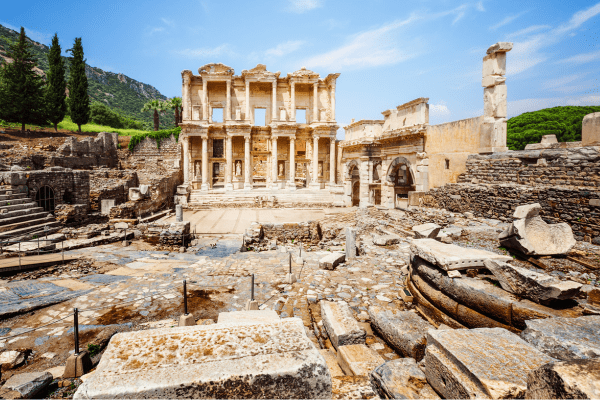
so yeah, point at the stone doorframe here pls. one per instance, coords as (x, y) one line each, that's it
(347, 180)
(388, 196)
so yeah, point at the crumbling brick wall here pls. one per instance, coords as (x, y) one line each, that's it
(110, 184)
(304, 232)
(148, 155)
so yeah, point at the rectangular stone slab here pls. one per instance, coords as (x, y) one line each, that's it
(341, 326)
(451, 257)
(248, 316)
(484, 362)
(358, 359)
(269, 360)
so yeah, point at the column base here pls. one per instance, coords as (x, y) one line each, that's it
(315, 185)
(275, 186)
(204, 187)
(228, 187)
(247, 186)
(290, 185)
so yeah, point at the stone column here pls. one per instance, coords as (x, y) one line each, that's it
(185, 97)
(229, 164)
(204, 164)
(364, 182)
(315, 162)
(205, 99)
(274, 116)
(332, 100)
(292, 181)
(186, 160)
(247, 117)
(332, 161)
(315, 117)
(247, 166)
(293, 101)
(274, 165)
(227, 114)
(350, 243)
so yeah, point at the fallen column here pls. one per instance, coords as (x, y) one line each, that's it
(341, 326)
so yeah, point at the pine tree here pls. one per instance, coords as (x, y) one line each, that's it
(78, 101)
(21, 88)
(55, 90)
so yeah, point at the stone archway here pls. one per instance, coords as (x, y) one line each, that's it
(45, 198)
(352, 183)
(399, 180)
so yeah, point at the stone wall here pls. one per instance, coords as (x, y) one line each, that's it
(304, 232)
(110, 184)
(148, 155)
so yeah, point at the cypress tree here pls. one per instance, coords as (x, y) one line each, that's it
(55, 90)
(79, 101)
(21, 88)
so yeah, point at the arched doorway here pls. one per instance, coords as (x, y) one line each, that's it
(355, 179)
(401, 177)
(45, 198)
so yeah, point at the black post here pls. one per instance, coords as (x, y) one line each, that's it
(38, 245)
(185, 312)
(290, 263)
(63, 251)
(252, 289)
(76, 331)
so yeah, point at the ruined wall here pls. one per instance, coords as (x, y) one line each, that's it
(110, 184)
(304, 232)
(147, 155)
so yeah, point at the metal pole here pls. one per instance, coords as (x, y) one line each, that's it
(252, 289)
(63, 251)
(76, 331)
(38, 245)
(185, 312)
(290, 263)
(19, 254)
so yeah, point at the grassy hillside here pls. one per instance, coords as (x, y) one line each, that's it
(117, 91)
(564, 122)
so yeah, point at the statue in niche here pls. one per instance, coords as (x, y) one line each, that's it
(198, 170)
(320, 169)
(238, 168)
(280, 169)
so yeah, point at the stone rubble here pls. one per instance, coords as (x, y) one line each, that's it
(575, 379)
(340, 325)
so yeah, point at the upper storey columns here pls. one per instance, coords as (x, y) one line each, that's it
(315, 102)
(274, 116)
(293, 100)
(332, 100)
(247, 116)
(227, 114)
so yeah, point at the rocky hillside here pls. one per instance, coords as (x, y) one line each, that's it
(116, 90)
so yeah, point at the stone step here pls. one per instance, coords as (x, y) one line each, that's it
(22, 217)
(10, 202)
(6, 191)
(25, 223)
(30, 229)
(34, 234)
(16, 213)
(12, 196)
(22, 206)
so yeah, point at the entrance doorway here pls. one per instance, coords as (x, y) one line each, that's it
(45, 198)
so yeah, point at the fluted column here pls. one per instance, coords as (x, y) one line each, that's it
(205, 185)
(315, 162)
(205, 100)
(332, 161)
(247, 118)
(186, 160)
(185, 97)
(315, 117)
(227, 115)
(274, 116)
(229, 164)
(293, 101)
(274, 162)
(292, 158)
(247, 165)
(332, 98)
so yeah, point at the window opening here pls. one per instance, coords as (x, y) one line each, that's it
(217, 115)
(45, 198)
(447, 164)
(301, 116)
(260, 117)
(218, 148)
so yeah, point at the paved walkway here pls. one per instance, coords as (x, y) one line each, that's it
(32, 262)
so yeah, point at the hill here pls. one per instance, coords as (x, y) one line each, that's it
(564, 122)
(117, 91)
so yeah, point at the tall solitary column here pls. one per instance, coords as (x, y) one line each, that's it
(227, 115)
(293, 100)
(292, 181)
(186, 160)
(315, 161)
(204, 164)
(315, 117)
(229, 164)
(247, 166)
(274, 162)
(205, 99)
(332, 98)
(274, 116)
(247, 117)
(332, 161)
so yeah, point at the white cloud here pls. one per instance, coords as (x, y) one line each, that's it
(506, 20)
(167, 21)
(581, 58)
(439, 110)
(479, 6)
(36, 36)
(302, 6)
(284, 48)
(518, 107)
(563, 80)
(528, 30)
(224, 49)
(579, 18)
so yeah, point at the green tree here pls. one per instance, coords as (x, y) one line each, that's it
(56, 96)
(79, 101)
(21, 88)
(158, 107)
(176, 104)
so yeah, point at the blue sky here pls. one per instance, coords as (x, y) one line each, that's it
(388, 52)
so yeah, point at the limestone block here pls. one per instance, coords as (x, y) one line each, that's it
(492, 80)
(385, 240)
(178, 213)
(538, 287)
(269, 360)
(450, 257)
(485, 362)
(494, 64)
(330, 359)
(121, 225)
(10, 359)
(106, 205)
(500, 47)
(358, 359)
(533, 236)
(29, 385)
(401, 379)
(332, 260)
(590, 130)
(414, 197)
(494, 101)
(575, 379)
(341, 326)
(350, 243)
(429, 230)
(135, 194)
(565, 338)
(405, 331)
(527, 211)
(248, 317)
(493, 135)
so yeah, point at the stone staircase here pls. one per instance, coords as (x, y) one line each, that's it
(282, 197)
(21, 218)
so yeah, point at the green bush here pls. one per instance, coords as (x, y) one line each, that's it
(564, 122)
(103, 115)
(156, 135)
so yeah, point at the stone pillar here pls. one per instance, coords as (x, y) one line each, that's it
(315, 163)
(332, 100)
(185, 97)
(247, 165)
(274, 102)
(205, 99)
(229, 164)
(186, 160)
(227, 115)
(178, 213)
(350, 243)
(292, 181)
(293, 101)
(204, 164)
(315, 117)
(332, 161)
(247, 116)
(274, 163)
(364, 182)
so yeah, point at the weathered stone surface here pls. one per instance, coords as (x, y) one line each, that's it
(541, 288)
(330, 359)
(248, 317)
(332, 260)
(500, 47)
(490, 363)
(401, 379)
(386, 240)
(575, 379)
(10, 359)
(450, 257)
(350, 243)
(429, 230)
(352, 387)
(358, 359)
(341, 326)
(403, 330)
(269, 360)
(29, 385)
(590, 130)
(565, 338)
(527, 211)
